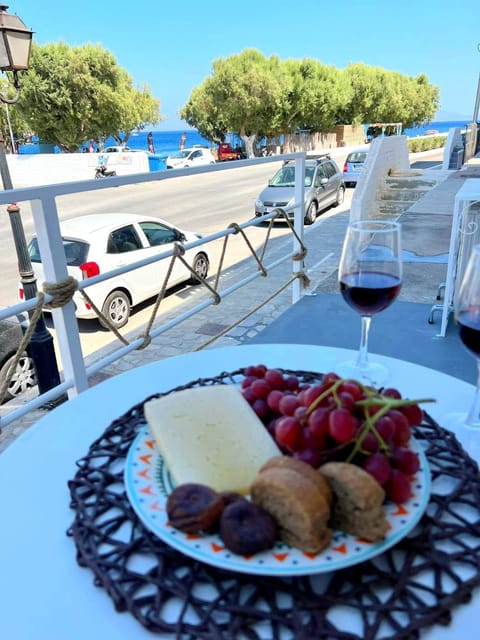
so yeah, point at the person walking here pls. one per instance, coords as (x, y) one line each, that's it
(183, 139)
(151, 148)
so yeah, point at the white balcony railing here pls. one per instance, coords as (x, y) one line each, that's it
(46, 220)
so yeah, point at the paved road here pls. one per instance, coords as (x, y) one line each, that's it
(205, 203)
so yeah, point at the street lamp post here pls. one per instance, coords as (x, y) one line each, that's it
(15, 45)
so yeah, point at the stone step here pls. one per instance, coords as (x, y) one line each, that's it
(397, 182)
(398, 195)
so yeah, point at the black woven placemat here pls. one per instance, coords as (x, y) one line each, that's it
(408, 588)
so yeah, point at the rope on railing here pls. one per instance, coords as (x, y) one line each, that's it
(62, 292)
(306, 282)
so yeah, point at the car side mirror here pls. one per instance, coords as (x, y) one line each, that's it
(181, 237)
(324, 181)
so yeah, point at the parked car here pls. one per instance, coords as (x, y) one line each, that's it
(98, 243)
(226, 152)
(193, 157)
(24, 377)
(353, 167)
(323, 187)
(117, 149)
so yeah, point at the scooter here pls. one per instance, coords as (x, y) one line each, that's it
(101, 172)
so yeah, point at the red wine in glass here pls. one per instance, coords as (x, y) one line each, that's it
(370, 277)
(467, 317)
(369, 292)
(469, 329)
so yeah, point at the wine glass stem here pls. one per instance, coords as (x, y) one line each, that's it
(474, 413)
(362, 358)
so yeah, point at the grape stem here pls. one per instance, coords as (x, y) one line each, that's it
(374, 399)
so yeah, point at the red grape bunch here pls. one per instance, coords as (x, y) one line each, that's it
(338, 419)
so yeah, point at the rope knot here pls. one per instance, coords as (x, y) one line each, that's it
(178, 249)
(62, 291)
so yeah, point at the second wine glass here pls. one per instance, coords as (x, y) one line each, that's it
(370, 277)
(467, 316)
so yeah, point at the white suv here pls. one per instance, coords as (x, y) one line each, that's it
(102, 242)
(194, 157)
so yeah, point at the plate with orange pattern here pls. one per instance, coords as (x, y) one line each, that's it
(148, 484)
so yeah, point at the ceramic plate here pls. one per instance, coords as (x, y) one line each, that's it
(148, 484)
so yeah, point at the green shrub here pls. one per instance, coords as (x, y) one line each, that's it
(426, 143)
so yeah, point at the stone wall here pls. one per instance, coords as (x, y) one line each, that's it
(51, 168)
(348, 135)
(385, 156)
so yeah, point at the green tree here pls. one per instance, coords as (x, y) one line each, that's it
(314, 93)
(12, 123)
(379, 95)
(256, 96)
(241, 95)
(72, 94)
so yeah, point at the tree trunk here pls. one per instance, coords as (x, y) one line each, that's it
(248, 141)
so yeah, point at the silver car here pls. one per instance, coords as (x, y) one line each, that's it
(353, 167)
(323, 188)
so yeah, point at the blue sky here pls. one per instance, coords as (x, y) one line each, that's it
(171, 45)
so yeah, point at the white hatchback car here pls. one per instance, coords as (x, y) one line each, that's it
(194, 157)
(98, 243)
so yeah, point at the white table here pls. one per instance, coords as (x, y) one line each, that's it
(44, 594)
(468, 194)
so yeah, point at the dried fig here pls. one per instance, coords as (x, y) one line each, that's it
(193, 507)
(246, 528)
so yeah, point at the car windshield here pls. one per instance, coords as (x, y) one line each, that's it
(179, 154)
(285, 177)
(358, 156)
(75, 251)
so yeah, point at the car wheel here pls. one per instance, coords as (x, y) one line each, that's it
(340, 196)
(311, 214)
(23, 377)
(200, 265)
(116, 309)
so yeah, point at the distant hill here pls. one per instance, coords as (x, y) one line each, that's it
(451, 115)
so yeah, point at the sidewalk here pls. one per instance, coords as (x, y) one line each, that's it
(426, 238)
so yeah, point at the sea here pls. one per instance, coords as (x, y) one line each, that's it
(166, 142)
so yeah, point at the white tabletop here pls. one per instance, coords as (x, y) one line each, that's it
(44, 594)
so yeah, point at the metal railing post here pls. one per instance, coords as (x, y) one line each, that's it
(299, 216)
(54, 262)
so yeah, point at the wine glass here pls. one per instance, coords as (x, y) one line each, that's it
(370, 277)
(467, 317)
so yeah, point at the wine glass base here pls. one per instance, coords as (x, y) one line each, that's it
(372, 374)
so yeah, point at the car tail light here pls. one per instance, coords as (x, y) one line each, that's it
(345, 167)
(21, 294)
(89, 269)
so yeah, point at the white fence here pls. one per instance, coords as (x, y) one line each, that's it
(44, 208)
(28, 170)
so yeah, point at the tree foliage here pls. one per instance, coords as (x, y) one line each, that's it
(256, 96)
(11, 120)
(72, 94)
(379, 95)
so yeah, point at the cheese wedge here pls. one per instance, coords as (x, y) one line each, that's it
(210, 435)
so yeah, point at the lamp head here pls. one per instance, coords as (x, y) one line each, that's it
(15, 47)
